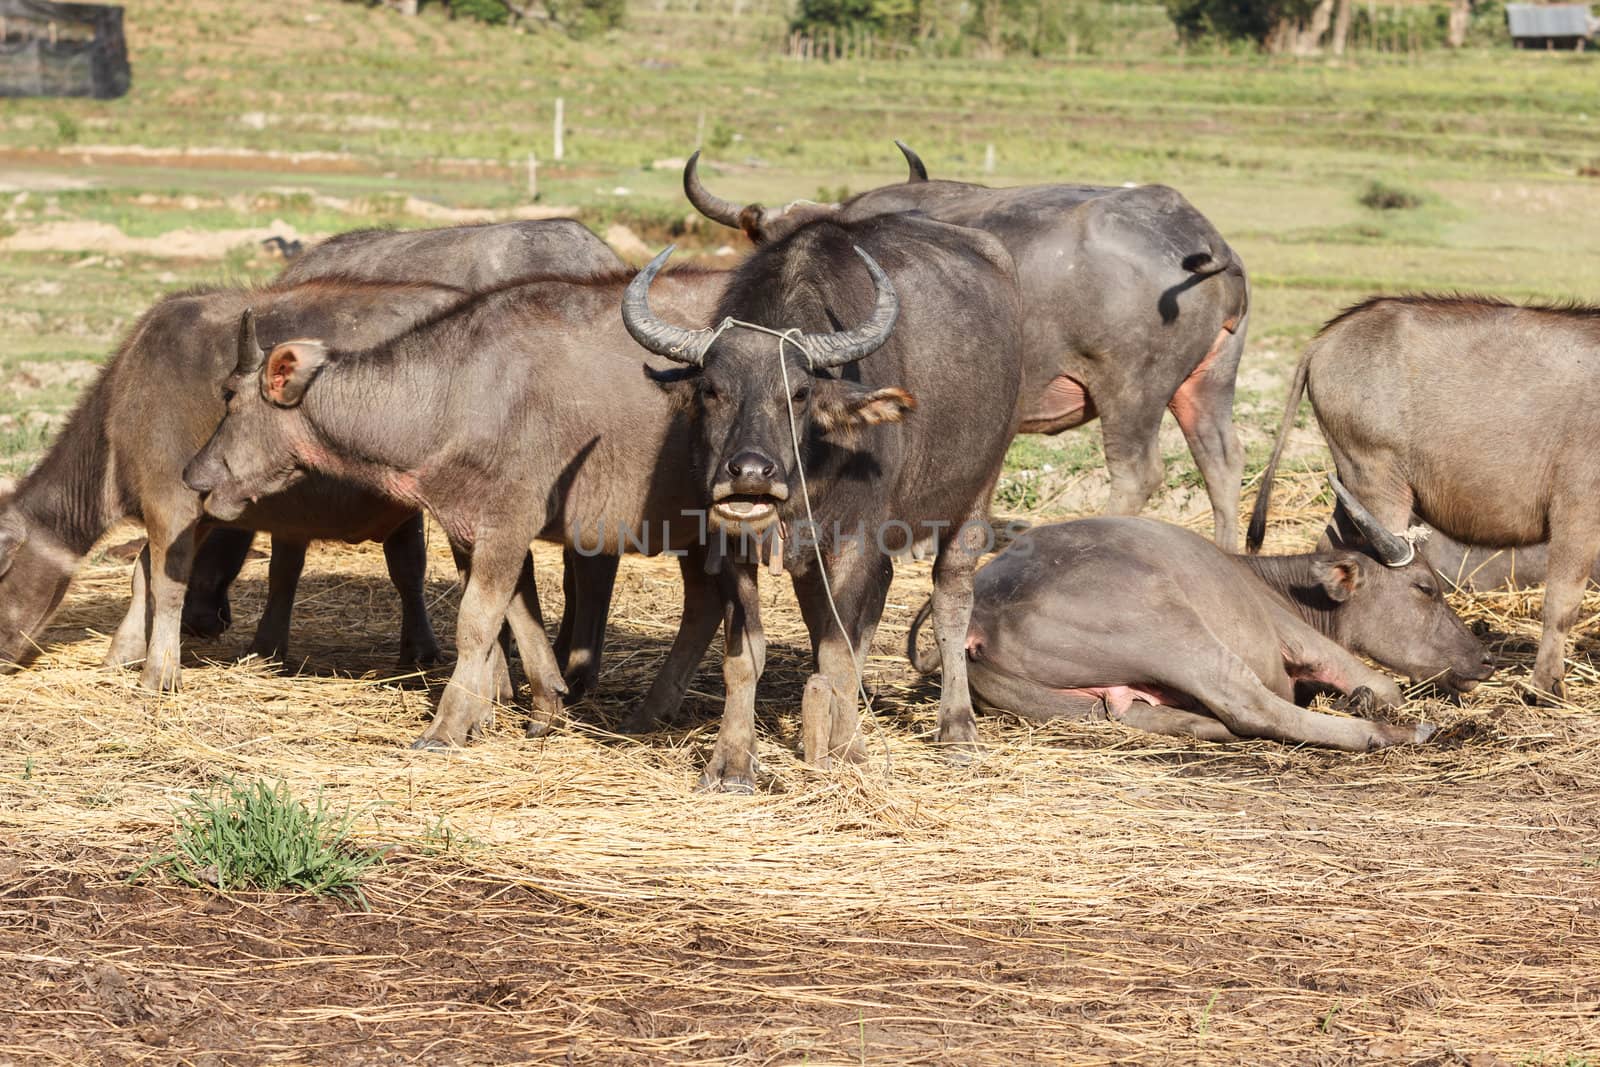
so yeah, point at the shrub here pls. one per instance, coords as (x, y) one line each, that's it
(1381, 196)
(258, 836)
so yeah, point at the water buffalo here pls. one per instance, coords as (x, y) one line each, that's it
(1156, 627)
(1475, 414)
(522, 414)
(475, 258)
(900, 397)
(1133, 304)
(122, 453)
(1478, 570)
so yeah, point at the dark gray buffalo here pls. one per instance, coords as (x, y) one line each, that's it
(474, 258)
(122, 453)
(521, 414)
(1133, 304)
(1151, 625)
(1479, 570)
(1476, 415)
(899, 398)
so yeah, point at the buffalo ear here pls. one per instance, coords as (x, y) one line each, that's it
(1339, 578)
(13, 535)
(845, 406)
(289, 370)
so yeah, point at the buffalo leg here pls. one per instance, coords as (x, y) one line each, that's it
(1574, 543)
(171, 540)
(406, 553)
(859, 583)
(283, 578)
(1203, 406)
(1173, 722)
(538, 659)
(468, 703)
(504, 692)
(206, 611)
(1133, 451)
(702, 613)
(129, 643)
(587, 582)
(1222, 682)
(952, 613)
(732, 766)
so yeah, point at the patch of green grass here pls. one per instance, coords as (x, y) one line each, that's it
(260, 836)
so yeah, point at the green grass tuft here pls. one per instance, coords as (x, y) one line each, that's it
(259, 836)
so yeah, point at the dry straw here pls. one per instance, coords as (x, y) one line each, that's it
(1084, 894)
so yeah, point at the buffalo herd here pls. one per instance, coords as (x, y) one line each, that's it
(842, 398)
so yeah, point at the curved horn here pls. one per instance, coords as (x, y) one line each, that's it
(250, 355)
(1391, 549)
(706, 202)
(837, 349)
(919, 173)
(662, 338)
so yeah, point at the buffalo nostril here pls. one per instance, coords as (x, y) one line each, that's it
(768, 470)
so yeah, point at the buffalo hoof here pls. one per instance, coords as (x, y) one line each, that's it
(1423, 733)
(735, 784)
(1538, 696)
(159, 679)
(581, 683)
(1359, 701)
(962, 753)
(430, 744)
(420, 654)
(638, 721)
(208, 624)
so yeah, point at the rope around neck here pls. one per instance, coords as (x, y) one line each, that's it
(794, 337)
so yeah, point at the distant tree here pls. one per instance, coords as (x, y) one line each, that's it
(1293, 26)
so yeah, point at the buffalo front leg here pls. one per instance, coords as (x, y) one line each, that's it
(859, 580)
(732, 766)
(1573, 546)
(505, 691)
(586, 584)
(468, 704)
(1203, 406)
(171, 541)
(406, 553)
(129, 643)
(952, 613)
(283, 578)
(206, 611)
(702, 612)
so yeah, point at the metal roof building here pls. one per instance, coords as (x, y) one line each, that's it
(1551, 25)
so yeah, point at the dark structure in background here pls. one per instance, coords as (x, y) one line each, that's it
(49, 49)
(1551, 25)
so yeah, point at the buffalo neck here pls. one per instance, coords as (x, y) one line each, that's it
(378, 412)
(69, 492)
(1290, 577)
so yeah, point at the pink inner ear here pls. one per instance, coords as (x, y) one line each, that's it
(280, 368)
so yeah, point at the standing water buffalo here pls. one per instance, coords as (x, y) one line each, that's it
(900, 423)
(1133, 304)
(1478, 416)
(122, 454)
(474, 258)
(1153, 626)
(522, 414)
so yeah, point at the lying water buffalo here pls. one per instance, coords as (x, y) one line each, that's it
(122, 453)
(474, 258)
(1133, 305)
(1476, 415)
(522, 414)
(1160, 629)
(902, 421)
(1478, 570)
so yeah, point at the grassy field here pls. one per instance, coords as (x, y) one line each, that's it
(1084, 894)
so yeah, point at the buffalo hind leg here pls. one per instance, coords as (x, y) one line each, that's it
(587, 583)
(952, 614)
(539, 663)
(732, 766)
(283, 578)
(505, 691)
(702, 614)
(1203, 406)
(1029, 700)
(405, 551)
(171, 541)
(1132, 436)
(1574, 543)
(206, 611)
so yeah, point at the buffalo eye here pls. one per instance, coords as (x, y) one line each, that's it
(709, 392)
(1427, 589)
(227, 395)
(801, 394)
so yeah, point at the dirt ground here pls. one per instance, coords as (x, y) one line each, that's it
(1084, 894)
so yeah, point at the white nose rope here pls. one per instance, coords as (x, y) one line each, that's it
(794, 337)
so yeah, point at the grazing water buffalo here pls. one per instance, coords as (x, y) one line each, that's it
(1478, 416)
(1154, 626)
(1133, 305)
(522, 414)
(122, 453)
(902, 419)
(470, 257)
